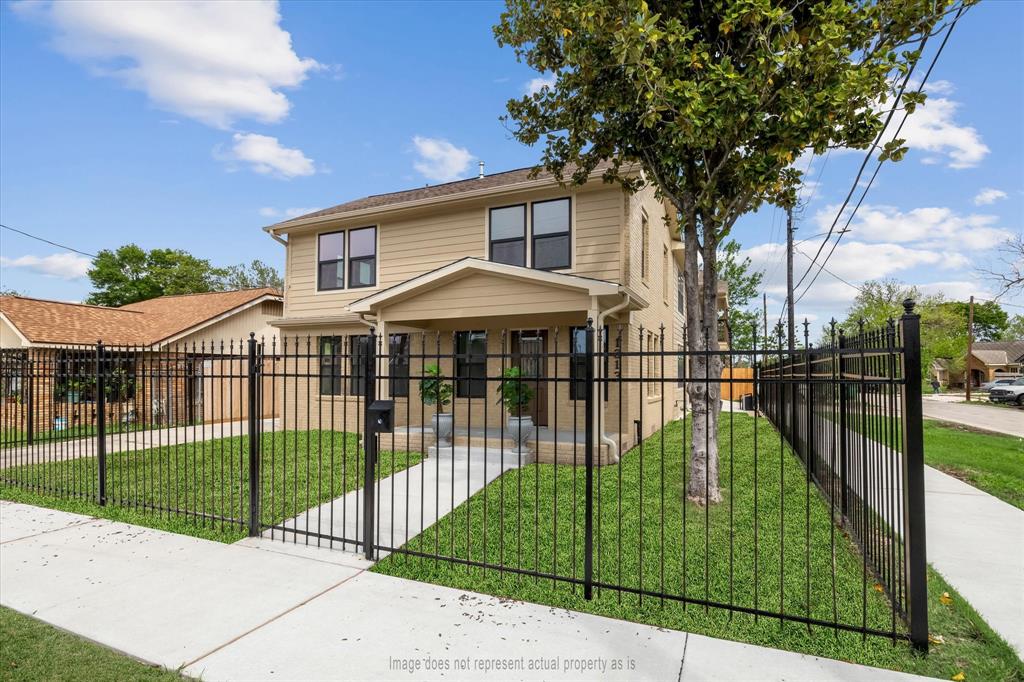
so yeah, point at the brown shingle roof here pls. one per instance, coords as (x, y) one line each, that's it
(143, 323)
(495, 180)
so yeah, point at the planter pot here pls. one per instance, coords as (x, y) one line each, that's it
(443, 429)
(520, 429)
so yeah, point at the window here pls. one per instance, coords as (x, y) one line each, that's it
(551, 239)
(359, 348)
(578, 363)
(645, 242)
(680, 291)
(330, 365)
(471, 364)
(653, 363)
(680, 367)
(398, 365)
(331, 261)
(362, 257)
(665, 274)
(508, 235)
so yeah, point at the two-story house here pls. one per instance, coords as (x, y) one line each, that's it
(499, 270)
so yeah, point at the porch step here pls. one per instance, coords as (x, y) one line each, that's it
(546, 450)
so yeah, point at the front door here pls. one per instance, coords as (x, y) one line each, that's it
(529, 354)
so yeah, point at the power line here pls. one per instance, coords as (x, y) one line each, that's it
(47, 241)
(878, 166)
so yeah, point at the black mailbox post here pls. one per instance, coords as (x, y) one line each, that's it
(382, 416)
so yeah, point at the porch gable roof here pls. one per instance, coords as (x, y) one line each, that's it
(468, 266)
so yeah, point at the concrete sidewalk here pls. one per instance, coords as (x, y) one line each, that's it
(976, 541)
(127, 441)
(261, 610)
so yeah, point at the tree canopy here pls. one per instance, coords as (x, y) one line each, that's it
(130, 273)
(712, 100)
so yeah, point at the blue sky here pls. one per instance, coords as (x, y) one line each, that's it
(192, 126)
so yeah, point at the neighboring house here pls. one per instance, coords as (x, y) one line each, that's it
(465, 261)
(165, 352)
(989, 360)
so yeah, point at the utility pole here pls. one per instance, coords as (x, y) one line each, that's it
(790, 305)
(764, 303)
(970, 347)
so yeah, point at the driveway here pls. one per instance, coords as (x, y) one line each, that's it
(985, 417)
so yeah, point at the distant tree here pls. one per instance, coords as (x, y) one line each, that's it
(743, 283)
(713, 100)
(879, 301)
(1014, 330)
(256, 274)
(10, 292)
(130, 274)
(989, 318)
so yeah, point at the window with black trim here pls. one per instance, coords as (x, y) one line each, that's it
(550, 223)
(578, 363)
(362, 257)
(331, 261)
(508, 234)
(471, 364)
(398, 365)
(359, 348)
(645, 245)
(330, 365)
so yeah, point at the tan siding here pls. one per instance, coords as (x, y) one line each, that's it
(481, 295)
(237, 327)
(8, 337)
(412, 245)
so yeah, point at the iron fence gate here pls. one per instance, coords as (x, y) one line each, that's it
(582, 456)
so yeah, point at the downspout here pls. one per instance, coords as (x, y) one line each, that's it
(613, 448)
(372, 322)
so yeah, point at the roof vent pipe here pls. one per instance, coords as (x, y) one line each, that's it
(481, 176)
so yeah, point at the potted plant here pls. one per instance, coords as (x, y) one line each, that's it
(516, 394)
(434, 390)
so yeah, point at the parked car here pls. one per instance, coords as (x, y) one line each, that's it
(1010, 393)
(1001, 381)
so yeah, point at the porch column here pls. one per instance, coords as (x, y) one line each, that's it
(595, 388)
(384, 366)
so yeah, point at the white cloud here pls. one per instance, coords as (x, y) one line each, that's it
(63, 265)
(929, 227)
(932, 128)
(214, 62)
(264, 154)
(271, 212)
(535, 85)
(987, 195)
(440, 160)
(956, 290)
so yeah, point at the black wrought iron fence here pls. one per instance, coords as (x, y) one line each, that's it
(606, 461)
(851, 410)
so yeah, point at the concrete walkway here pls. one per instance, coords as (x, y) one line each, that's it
(253, 611)
(976, 541)
(409, 501)
(127, 441)
(1006, 420)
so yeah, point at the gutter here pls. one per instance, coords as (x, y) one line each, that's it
(276, 237)
(613, 448)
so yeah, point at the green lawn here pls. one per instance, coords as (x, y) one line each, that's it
(31, 650)
(989, 462)
(11, 437)
(524, 536)
(300, 469)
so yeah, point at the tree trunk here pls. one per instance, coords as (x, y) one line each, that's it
(702, 335)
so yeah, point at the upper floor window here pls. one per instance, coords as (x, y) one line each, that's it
(361, 264)
(362, 259)
(508, 235)
(551, 238)
(666, 274)
(331, 260)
